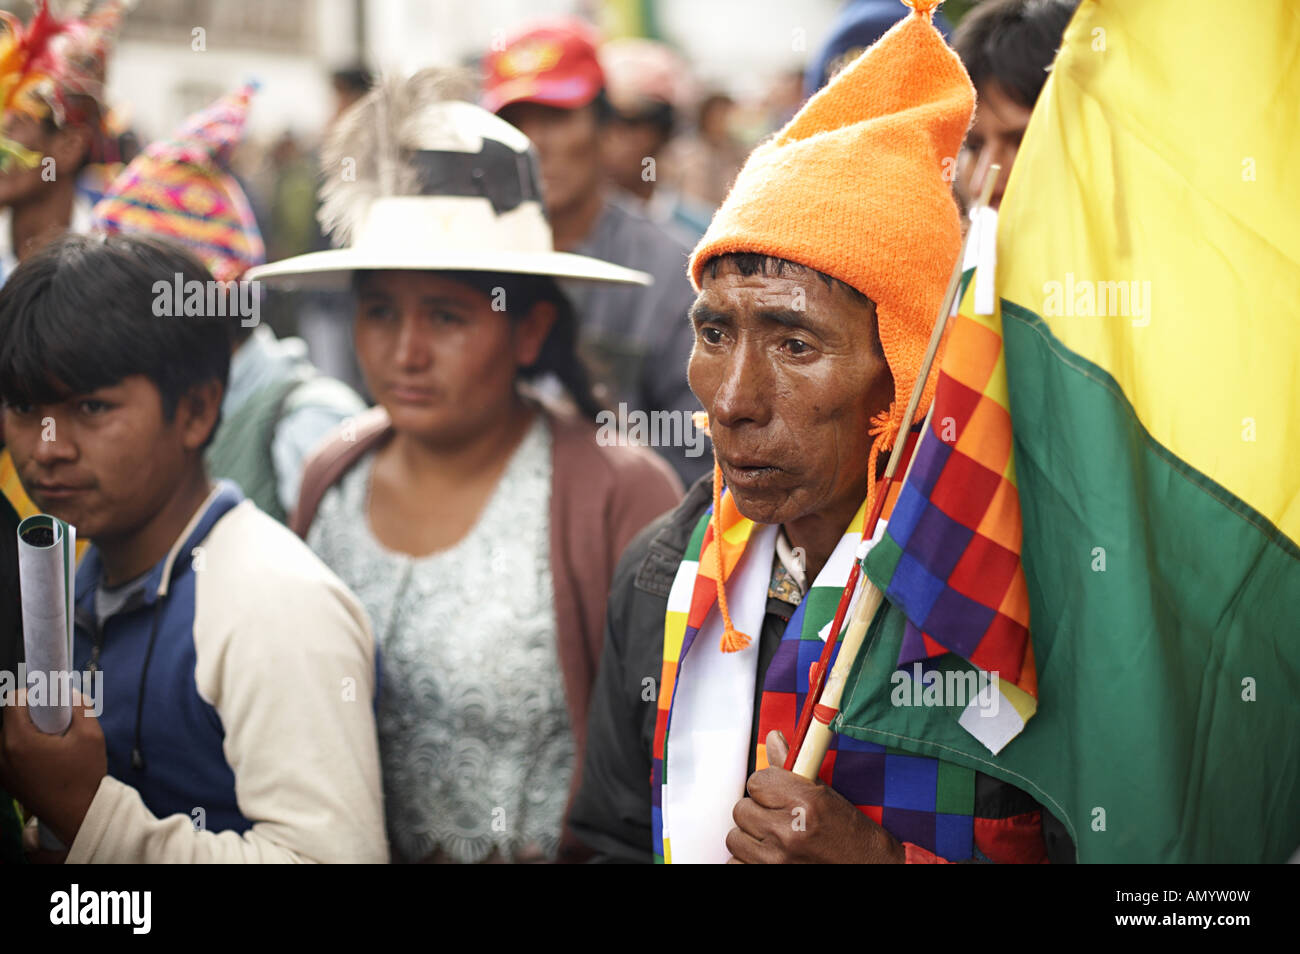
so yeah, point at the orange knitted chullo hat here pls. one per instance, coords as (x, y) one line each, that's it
(858, 185)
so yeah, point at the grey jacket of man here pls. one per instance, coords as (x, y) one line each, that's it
(636, 340)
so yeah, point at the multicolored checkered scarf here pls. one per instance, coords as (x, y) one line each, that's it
(916, 798)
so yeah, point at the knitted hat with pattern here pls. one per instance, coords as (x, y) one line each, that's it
(858, 185)
(179, 189)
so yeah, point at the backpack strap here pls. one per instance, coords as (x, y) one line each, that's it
(341, 448)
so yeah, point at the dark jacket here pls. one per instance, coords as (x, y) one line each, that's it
(612, 811)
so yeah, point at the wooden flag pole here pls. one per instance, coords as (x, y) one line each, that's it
(818, 739)
(808, 751)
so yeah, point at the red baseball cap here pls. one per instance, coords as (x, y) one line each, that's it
(552, 62)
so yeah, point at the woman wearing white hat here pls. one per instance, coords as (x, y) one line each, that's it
(478, 524)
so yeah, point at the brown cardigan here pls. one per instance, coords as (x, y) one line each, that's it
(601, 497)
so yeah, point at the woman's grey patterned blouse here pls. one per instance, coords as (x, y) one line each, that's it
(474, 734)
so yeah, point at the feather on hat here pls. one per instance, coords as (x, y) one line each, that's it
(415, 178)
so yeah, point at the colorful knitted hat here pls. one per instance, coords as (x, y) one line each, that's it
(179, 189)
(858, 186)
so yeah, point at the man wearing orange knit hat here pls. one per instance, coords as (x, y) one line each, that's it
(819, 281)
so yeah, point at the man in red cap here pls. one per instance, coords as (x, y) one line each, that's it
(547, 81)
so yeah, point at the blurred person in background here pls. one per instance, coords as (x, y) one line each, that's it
(646, 84)
(478, 523)
(54, 138)
(1007, 47)
(547, 82)
(323, 319)
(277, 407)
(292, 228)
(56, 152)
(291, 213)
(349, 84)
(783, 98)
(704, 162)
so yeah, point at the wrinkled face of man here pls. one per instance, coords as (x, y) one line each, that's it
(791, 372)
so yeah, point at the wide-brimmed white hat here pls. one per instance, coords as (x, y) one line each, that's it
(416, 181)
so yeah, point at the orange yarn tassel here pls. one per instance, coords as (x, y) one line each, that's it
(925, 7)
(884, 431)
(732, 639)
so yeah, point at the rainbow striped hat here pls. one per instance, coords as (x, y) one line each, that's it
(179, 189)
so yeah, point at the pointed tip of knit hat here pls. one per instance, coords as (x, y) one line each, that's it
(211, 134)
(924, 8)
(180, 189)
(910, 72)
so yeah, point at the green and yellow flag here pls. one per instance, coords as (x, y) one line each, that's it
(1149, 288)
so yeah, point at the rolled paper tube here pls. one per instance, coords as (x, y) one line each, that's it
(45, 582)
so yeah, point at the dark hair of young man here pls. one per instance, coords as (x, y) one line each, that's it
(1013, 42)
(80, 315)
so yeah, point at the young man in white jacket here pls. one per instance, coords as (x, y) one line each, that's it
(238, 673)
